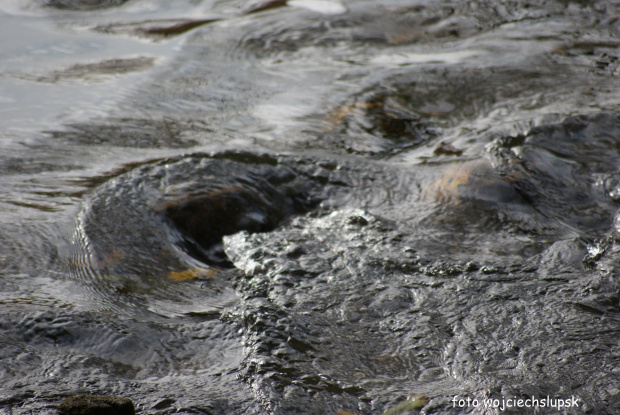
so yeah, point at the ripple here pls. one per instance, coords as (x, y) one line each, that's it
(151, 238)
(426, 235)
(566, 182)
(88, 72)
(83, 4)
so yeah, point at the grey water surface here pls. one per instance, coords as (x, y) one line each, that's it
(310, 206)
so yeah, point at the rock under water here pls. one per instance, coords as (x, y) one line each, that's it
(310, 207)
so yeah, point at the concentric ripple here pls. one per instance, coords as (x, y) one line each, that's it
(146, 236)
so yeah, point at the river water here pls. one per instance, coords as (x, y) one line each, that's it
(310, 206)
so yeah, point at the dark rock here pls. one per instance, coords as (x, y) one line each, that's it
(96, 405)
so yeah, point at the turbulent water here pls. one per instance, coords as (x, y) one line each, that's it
(310, 206)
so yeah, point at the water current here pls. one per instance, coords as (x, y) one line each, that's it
(310, 206)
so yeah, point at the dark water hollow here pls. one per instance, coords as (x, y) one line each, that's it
(161, 223)
(310, 207)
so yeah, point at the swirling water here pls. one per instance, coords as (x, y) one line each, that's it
(309, 207)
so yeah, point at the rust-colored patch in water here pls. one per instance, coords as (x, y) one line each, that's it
(457, 178)
(190, 274)
(474, 180)
(337, 116)
(110, 259)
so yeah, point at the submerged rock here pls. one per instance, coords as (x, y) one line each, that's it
(474, 180)
(83, 4)
(188, 203)
(152, 236)
(96, 405)
(204, 213)
(352, 292)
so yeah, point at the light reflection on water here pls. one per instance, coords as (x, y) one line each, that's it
(458, 171)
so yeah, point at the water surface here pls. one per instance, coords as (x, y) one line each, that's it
(308, 206)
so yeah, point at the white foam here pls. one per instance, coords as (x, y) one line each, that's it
(320, 6)
(451, 57)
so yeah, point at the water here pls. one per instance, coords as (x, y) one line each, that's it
(309, 206)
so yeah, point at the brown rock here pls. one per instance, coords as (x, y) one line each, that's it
(96, 405)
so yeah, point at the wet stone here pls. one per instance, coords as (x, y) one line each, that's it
(190, 204)
(557, 180)
(383, 123)
(204, 216)
(428, 205)
(324, 289)
(96, 405)
(83, 4)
